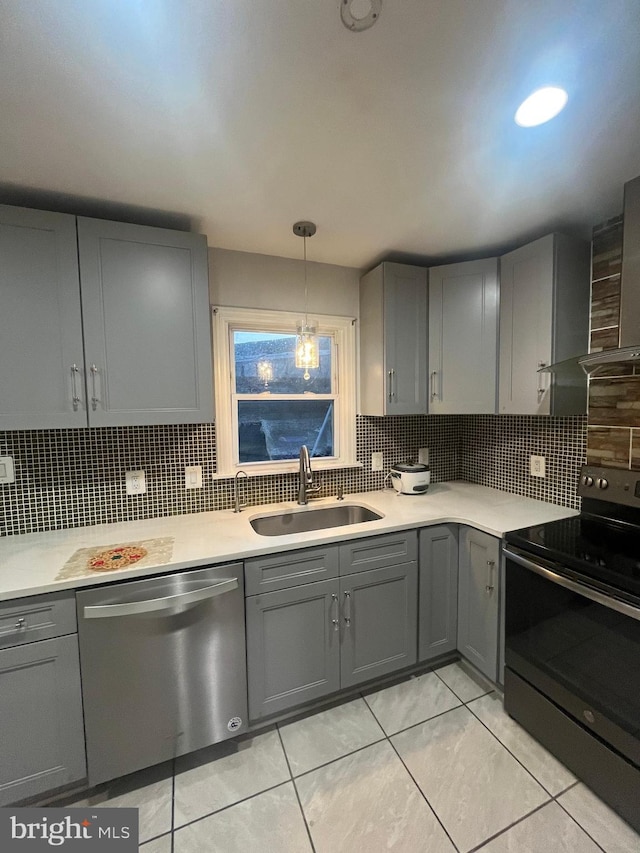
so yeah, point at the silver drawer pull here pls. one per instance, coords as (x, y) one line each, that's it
(335, 621)
(21, 624)
(168, 603)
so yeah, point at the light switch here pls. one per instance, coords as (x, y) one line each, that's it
(7, 472)
(193, 477)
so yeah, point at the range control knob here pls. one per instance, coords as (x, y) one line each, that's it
(587, 480)
(602, 483)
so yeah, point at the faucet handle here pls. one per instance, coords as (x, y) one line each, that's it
(340, 496)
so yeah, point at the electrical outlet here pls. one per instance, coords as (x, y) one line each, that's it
(193, 477)
(136, 482)
(537, 466)
(423, 455)
(7, 470)
(377, 462)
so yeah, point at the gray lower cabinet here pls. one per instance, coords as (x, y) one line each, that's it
(307, 640)
(42, 742)
(379, 622)
(478, 600)
(438, 581)
(293, 647)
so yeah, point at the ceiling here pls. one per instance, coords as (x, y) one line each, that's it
(247, 115)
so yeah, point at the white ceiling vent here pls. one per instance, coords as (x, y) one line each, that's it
(359, 15)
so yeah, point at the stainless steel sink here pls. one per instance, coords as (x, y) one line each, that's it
(302, 521)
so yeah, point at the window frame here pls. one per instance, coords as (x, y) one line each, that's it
(226, 320)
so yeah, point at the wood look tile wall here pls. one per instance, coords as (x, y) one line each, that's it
(613, 433)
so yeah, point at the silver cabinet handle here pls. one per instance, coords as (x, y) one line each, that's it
(152, 605)
(336, 613)
(434, 393)
(574, 586)
(491, 564)
(541, 389)
(347, 608)
(75, 399)
(94, 398)
(21, 624)
(392, 375)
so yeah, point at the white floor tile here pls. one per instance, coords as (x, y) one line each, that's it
(149, 791)
(474, 785)
(465, 682)
(233, 771)
(158, 845)
(612, 833)
(328, 735)
(551, 774)
(267, 823)
(410, 702)
(368, 802)
(549, 830)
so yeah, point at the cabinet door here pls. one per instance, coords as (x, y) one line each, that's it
(463, 335)
(40, 322)
(379, 622)
(526, 318)
(478, 598)
(145, 305)
(293, 647)
(438, 609)
(42, 743)
(405, 339)
(393, 340)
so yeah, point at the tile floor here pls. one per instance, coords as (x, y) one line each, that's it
(429, 764)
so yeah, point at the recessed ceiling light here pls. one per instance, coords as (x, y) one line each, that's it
(540, 106)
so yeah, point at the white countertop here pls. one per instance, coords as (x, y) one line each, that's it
(30, 563)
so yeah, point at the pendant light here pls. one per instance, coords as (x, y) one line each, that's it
(307, 354)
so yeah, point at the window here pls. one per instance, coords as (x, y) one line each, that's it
(265, 408)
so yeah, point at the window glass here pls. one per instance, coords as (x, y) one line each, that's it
(271, 430)
(265, 362)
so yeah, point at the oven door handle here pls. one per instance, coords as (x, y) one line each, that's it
(573, 586)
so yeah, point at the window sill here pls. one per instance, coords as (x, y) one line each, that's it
(257, 469)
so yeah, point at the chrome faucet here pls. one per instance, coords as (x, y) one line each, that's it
(236, 492)
(305, 486)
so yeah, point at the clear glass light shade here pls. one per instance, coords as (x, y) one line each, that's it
(307, 351)
(265, 372)
(541, 106)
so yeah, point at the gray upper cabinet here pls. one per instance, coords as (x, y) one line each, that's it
(41, 347)
(478, 599)
(145, 305)
(102, 323)
(393, 340)
(544, 319)
(463, 338)
(438, 582)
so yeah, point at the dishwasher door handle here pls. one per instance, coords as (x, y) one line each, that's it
(169, 602)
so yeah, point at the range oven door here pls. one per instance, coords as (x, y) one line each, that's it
(576, 645)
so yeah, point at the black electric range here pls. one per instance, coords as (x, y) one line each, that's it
(572, 636)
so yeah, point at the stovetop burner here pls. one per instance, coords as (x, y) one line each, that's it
(603, 543)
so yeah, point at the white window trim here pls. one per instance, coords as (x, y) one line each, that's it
(341, 328)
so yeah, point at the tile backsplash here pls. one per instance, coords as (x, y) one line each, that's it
(73, 478)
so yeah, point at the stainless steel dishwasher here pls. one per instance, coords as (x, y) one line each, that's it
(163, 667)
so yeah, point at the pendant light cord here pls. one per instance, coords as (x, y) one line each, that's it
(306, 296)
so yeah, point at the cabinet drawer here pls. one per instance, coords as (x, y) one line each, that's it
(293, 568)
(377, 552)
(39, 617)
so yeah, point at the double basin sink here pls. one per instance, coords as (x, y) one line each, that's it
(302, 521)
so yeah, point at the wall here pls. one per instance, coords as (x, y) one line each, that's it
(246, 280)
(613, 437)
(73, 478)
